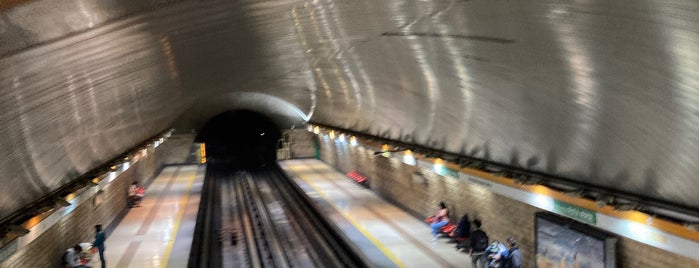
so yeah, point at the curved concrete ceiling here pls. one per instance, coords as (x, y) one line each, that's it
(600, 92)
(282, 113)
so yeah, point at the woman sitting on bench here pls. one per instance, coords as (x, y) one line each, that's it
(440, 219)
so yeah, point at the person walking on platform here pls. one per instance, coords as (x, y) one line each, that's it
(99, 243)
(439, 220)
(479, 242)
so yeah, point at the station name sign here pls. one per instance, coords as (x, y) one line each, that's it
(575, 212)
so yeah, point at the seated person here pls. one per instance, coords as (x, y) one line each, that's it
(136, 193)
(439, 220)
(463, 229)
(496, 252)
(512, 258)
(72, 257)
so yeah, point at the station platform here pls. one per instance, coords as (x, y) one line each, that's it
(386, 235)
(158, 233)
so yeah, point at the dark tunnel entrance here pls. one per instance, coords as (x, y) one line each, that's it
(241, 138)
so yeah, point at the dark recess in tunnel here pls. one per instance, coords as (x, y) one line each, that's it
(241, 138)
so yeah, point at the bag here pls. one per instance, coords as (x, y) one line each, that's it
(481, 240)
(64, 263)
(507, 262)
(140, 191)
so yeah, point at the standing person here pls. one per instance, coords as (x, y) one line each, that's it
(479, 242)
(99, 243)
(440, 219)
(513, 258)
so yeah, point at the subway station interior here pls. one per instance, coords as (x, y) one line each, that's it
(323, 133)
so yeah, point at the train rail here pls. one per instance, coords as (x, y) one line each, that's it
(260, 218)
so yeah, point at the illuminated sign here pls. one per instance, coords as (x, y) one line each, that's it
(575, 212)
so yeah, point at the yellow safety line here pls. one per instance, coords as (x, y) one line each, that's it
(360, 228)
(173, 232)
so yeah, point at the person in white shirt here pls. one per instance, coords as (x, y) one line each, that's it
(73, 257)
(134, 197)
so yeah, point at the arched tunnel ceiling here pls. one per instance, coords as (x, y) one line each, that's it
(601, 92)
(282, 113)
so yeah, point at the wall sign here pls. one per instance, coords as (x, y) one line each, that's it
(575, 212)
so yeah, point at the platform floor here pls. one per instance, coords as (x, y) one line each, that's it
(159, 232)
(385, 234)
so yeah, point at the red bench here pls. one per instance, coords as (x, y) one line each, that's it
(358, 178)
(447, 229)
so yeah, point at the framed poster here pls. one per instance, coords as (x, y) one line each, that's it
(566, 243)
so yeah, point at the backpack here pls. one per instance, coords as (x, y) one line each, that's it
(507, 262)
(64, 263)
(480, 240)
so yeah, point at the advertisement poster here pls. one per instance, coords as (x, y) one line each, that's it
(563, 243)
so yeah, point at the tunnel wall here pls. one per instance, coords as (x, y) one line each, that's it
(502, 217)
(78, 226)
(302, 144)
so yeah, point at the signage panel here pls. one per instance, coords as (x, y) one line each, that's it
(575, 212)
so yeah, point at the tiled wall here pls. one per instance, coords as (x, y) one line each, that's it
(302, 143)
(78, 226)
(502, 217)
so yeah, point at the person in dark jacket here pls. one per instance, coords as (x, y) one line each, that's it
(513, 258)
(478, 243)
(463, 230)
(99, 243)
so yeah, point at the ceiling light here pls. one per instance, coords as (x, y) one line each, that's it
(694, 226)
(506, 174)
(600, 203)
(602, 200)
(626, 207)
(389, 151)
(474, 165)
(524, 180)
(530, 182)
(62, 202)
(574, 193)
(90, 183)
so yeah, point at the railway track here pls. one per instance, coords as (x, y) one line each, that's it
(261, 219)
